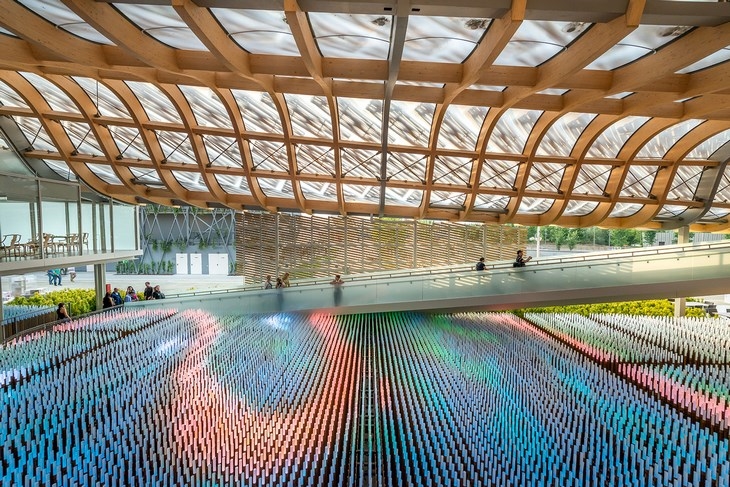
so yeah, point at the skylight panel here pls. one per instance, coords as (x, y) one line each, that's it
(269, 156)
(579, 208)
(642, 41)
(447, 199)
(310, 115)
(35, 133)
(207, 107)
(658, 146)
(684, 185)
(561, 138)
(106, 101)
(639, 181)
(360, 119)
(537, 41)
(356, 193)
(276, 188)
(713, 59)
(461, 126)
(592, 179)
(258, 31)
(156, 104)
(162, 23)
(707, 149)
(222, 151)
(315, 159)
(58, 14)
(512, 130)
(10, 97)
(545, 177)
(82, 138)
(62, 169)
(233, 184)
(56, 98)
(405, 166)
(105, 173)
(499, 174)
(410, 123)
(442, 39)
(361, 163)
(535, 206)
(491, 203)
(129, 142)
(192, 181)
(452, 170)
(176, 147)
(341, 35)
(403, 197)
(258, 111)
(321, 191)
(612, 139)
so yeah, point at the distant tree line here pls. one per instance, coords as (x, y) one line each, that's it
(570, 237)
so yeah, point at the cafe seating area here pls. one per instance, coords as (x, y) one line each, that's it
(14, 245)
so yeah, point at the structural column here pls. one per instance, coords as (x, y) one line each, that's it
(680, 304)
(100, 284)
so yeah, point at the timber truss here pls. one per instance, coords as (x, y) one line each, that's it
(537, 112)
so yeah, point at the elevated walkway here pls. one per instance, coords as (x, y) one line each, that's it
(657, 272)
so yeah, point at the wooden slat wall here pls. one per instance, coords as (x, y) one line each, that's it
(322, 246)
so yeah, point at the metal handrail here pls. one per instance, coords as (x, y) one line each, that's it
(51, 324)
(498, 265)
(29, 314)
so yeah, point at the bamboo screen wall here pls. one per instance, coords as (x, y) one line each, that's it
(321, 246)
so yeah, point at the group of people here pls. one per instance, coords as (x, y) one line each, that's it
(55, 275)
(281, 282)
(114, 298)
(520, 261)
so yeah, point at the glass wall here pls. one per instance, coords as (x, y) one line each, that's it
(42, 218)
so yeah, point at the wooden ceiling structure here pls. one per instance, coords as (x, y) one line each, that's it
(543, 116)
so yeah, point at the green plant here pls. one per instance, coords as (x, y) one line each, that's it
(155, 244)
(181, 244)
(166, 246)
(78, 301)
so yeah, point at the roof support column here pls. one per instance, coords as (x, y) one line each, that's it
(680, 304)
(100, 284)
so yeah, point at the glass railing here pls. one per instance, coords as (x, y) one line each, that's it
(672, 271)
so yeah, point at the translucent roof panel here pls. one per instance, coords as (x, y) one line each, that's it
(537, 41)
(671, 211)
(713, 59)
(315, 159)
(403, 197)
(592, 179)
(147, 176)
(7, 32)
(499, 174)
(642, 41)
(561, 137)
(714, 214)
(10, 97)
(545, 177)
(490, 202)
(657, 147)
(352, 36)
(356, 193)
(452, 170)
(35, 133)
(207, 107)
(62, 169)
(447, 199)
(460, 127)
(707, 149)
(222, 151)
(162, 23)
(314, 190)
(310, 116)
(192, 181)
(410, 123)
(639, 181)
(258, 31)
(129, 142)
(156, 104)
(405, 166)
(360, 119)
(512, 130)
(361, 163)
(258, 111)
(723, 190)
(271, 156)
(106, 101)
(104, 172)
(233, 184)
(685, 183)
(611, 140)
(622, 210)
(442, 39)
(535, 206)
(176, 147)
(275, 188)
(82, 138)
(56, 98)
(579, 208)
(55, 12)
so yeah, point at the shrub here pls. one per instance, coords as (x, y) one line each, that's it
(78, 301)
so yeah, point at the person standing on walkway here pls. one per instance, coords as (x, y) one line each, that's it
(267, 282)
(337, 282)
(148, 291)
(285, 279)
(481, 265)
(521, 260)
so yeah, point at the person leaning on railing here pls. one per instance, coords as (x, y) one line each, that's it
(521, 260)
